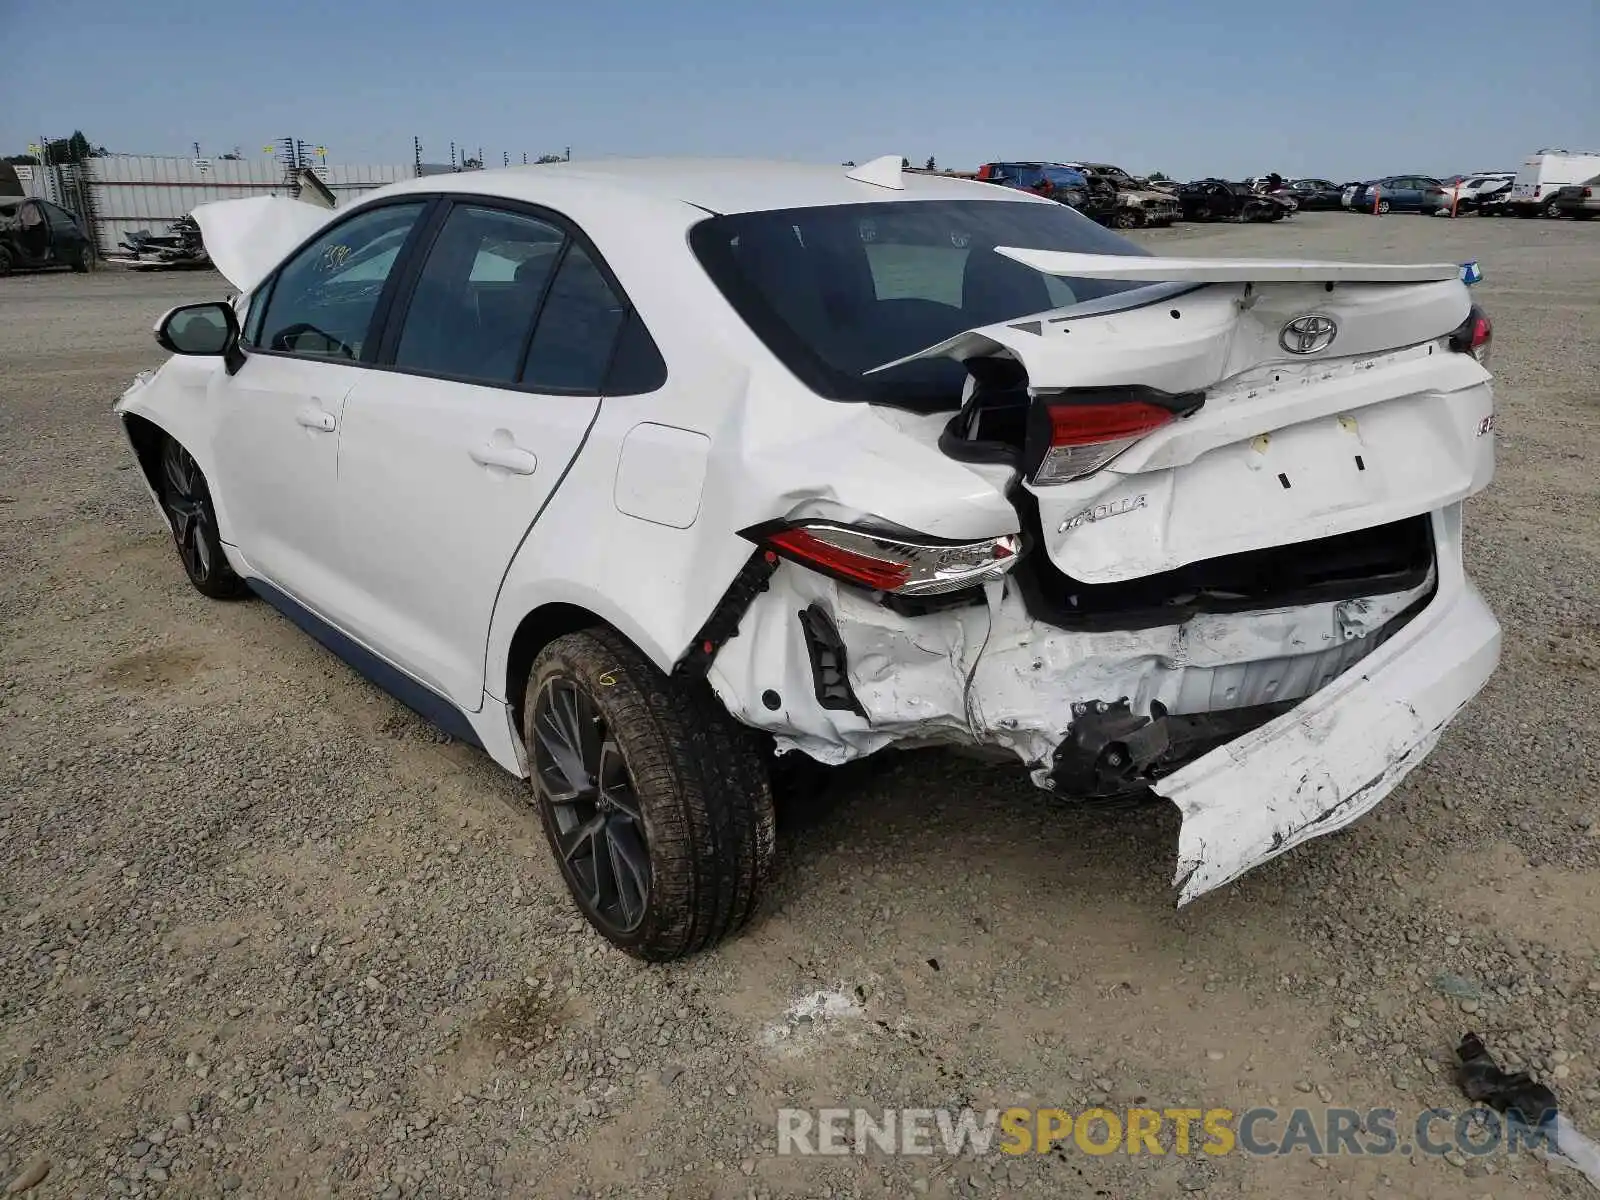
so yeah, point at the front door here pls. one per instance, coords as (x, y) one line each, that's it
(278, 417)
(33, 234)
(447, 457)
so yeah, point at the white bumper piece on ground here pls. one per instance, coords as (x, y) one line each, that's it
(1339, 752)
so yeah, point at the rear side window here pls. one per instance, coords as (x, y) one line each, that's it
(60, 219)
(577, 331)
(475, 300)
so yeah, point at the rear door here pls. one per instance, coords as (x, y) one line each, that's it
(66, 235)
(493, 378)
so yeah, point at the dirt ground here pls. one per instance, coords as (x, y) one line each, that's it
(265, 934)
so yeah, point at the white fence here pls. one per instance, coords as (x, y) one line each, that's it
(124, 192)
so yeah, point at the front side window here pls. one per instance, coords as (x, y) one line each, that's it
(476, 298)
(323, 300)
(833, 304)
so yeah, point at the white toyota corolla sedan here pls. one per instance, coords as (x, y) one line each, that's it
(638, 474)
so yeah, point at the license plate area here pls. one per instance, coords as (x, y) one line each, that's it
(1333, 474)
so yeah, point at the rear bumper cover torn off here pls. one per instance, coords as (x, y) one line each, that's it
(1335, 755)
(1350, 698)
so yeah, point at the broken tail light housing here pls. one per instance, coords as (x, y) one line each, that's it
(1475, 335)
(1072, 434)
(900, 564)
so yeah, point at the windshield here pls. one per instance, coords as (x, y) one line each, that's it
(835, 291)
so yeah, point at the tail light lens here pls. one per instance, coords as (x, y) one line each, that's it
(1475, 335)
(903, 564)
(1074, 435)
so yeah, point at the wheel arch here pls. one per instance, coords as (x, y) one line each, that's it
(145, 437)
(536, 630)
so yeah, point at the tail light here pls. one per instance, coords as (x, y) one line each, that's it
(1588, 193)
(904, 564)
(1074, 435)
(1474, 335)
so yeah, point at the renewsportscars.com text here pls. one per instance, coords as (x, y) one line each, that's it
(1260, 1131)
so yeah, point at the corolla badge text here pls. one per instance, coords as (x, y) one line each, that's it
(1111, 508)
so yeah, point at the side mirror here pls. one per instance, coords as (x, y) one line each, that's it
(209, 328)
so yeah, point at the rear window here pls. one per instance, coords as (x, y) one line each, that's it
(836, 291)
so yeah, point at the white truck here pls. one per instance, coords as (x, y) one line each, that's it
(1544, 174)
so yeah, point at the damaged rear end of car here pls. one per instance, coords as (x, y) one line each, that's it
(1230, 568)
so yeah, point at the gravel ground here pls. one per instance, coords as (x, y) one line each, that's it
(263, 933)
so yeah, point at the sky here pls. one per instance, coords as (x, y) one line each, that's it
(1337, 88)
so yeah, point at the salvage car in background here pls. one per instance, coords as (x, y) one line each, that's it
(1137, 204)
(634, 473)
(1347, 198)
(35, 234)
(1053, 181)
(1316, 195)
(1473, 193)
(1580, 201)
(1401, 193)
(1225, 200)
(1543, 175)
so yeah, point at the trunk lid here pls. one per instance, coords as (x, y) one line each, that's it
(1356, 417)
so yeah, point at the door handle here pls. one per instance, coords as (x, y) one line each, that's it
(313, 417)
(511, 458)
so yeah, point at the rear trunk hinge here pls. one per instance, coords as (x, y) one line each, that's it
(723, 623)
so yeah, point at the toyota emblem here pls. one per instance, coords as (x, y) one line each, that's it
(1308, 334)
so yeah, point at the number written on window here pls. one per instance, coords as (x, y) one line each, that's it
(323, 300)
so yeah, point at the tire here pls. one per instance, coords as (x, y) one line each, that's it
(1383, 207)
(86, 261)
(677, 790)
(1549, 209)
(5, 261)
(1127, 218)
(186, 499)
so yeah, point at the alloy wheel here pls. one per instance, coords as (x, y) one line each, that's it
(581, 775)
(188, 503)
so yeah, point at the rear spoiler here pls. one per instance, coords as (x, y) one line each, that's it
(1036, 338)
(1136, 267)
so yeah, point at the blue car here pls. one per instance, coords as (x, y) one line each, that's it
(1401, 193)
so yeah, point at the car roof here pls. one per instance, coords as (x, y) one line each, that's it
(715, 185)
